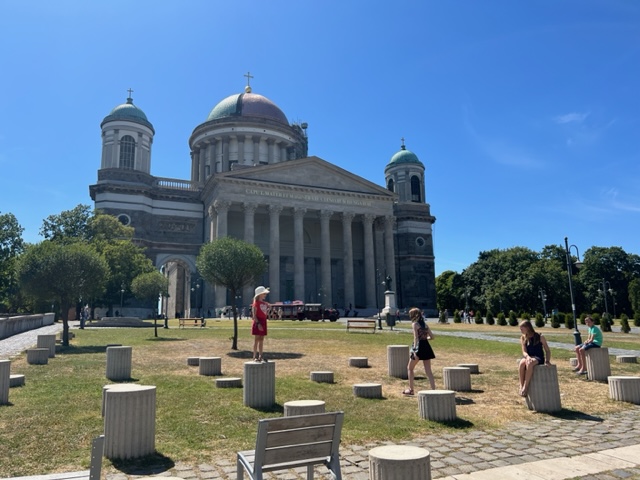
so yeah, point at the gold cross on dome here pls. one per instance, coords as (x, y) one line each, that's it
(249, 77)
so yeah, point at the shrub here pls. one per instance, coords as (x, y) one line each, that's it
(490, 319)
(525, 316)
(606, 322)
(513, 318)
(502, 319)
(555, 320)
(568, 320)
(478, 317)
(636, 319)
(624, 323)
(441, 317)
(596, 318)
(539, 320)
(456, 317)
(582, 317)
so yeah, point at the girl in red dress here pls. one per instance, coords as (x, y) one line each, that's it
(259, 311)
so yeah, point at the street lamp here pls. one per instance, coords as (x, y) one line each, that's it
(604, 294)
(576, 332)
(543, 296)
(195, 291)
(121, 297)
(377, 299)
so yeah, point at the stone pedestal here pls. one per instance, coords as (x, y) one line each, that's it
(16, 380)
(598, 366)
(210, 366)
(397, 360)
(229, 382)
(303, 407)
(368, 390)
(322, 377)
(5, 381)
(626, 359)
(129, 421)
(259, 384)
(544, 391)
(119, 363)
(573, 362)
(47, 341)
(474, 369)
(193, 361)
(359, 362)
(625, 389)
(38, 356)
(437, 405)
(390, 306)
(457, 379)
(399, 462)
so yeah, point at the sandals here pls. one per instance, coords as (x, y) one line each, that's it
(407, 392)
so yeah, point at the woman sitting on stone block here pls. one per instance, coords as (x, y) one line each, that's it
(535, 351)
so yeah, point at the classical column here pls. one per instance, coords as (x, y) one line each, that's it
(283, 152)
(212, 222)
(298, 252)
(271, 151)
(222, 209)
(274, 252)
(325, 255)
(195, 155)
(225, 154)
(241, 159)
(115, 158)
(201, 163)
(369, 261)
(217, 159)
(389, 250)
(256, 150)
(249, 229)
(347, 254)
(210, 160)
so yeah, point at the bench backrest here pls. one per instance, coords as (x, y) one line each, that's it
(298, 438)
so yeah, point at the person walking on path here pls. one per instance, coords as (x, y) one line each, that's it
(534, 349)
(594, 340)
(420, 350)
(259, 311)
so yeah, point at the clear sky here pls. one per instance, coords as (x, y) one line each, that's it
(526, 115)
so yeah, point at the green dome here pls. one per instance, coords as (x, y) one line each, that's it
(404, 156)
(128, 111)
(247, 105)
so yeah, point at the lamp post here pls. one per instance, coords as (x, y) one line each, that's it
(543, 296)
(377, 299)
(613, 301)
(576, 332)
(121, 297)
(606, 306)
(195, 289)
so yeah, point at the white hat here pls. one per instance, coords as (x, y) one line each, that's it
(260, 290)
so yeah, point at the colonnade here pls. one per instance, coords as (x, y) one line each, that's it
(217, 153)
(218, 213)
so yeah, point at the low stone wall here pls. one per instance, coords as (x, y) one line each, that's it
(10, 326)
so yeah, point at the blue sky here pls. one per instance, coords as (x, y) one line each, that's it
(526, 115)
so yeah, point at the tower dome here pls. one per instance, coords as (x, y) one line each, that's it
(404, 156)
(247, 105)
(128, 112)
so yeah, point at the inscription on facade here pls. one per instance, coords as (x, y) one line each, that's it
(176, 226)
(308, 197)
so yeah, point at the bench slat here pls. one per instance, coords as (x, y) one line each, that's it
(296, 453)
(295, 437)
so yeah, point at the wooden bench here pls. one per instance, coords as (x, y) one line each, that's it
(292, 442)
(361, 323)
(191, 322)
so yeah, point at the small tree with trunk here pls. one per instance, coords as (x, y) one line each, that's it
(231, 263)
(148, 287)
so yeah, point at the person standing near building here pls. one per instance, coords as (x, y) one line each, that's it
(259, 311)
(420, 350)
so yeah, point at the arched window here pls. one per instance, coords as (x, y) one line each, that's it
(127, 152)
(416, 195)
(390, 185)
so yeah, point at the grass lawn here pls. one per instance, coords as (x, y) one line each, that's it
(50, 422)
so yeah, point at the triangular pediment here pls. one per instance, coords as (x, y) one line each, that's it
(312, 172)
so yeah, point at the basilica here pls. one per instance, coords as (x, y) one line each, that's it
(329, 236)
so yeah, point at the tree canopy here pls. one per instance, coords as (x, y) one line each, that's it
(231, 263)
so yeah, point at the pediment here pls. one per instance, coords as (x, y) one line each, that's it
(312, 172)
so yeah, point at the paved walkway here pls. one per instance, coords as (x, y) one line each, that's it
(551, 448)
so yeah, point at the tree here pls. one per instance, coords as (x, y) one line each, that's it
(147, 287)
(63, 273)
(11, 246)
(231, 263)
(69, 225)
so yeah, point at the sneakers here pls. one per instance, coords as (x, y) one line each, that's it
(581, 372)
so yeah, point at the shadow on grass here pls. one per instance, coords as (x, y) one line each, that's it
(73, 350)
(153, 464)
(270, 356)
(275, 408)
(567, 414)
(166, 339)
(464, 401)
